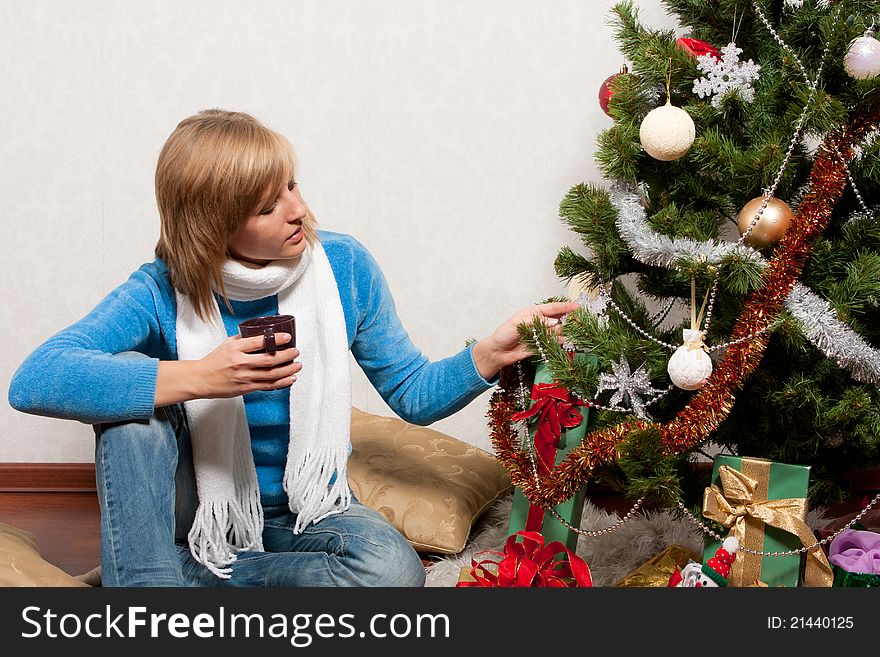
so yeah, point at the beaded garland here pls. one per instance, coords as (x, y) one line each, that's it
(504, 404)
(711, 405)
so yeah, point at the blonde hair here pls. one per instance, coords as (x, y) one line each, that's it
(215, 170)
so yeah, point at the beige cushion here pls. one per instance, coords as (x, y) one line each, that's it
(429, 485)
(22, 565)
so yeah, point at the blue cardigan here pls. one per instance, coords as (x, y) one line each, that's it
(76, 374)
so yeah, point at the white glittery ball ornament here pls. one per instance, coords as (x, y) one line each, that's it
(667, 132)
(690, 365)
(862, 59)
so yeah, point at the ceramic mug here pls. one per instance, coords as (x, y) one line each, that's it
(268, 326)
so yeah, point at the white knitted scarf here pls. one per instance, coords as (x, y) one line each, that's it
(229, 518)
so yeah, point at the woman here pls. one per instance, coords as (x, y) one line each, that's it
(209, 454)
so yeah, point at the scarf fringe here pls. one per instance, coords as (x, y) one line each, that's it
(312, 497)
(222, 528)
(246, 528)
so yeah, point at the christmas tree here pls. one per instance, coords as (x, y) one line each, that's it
(730, 270)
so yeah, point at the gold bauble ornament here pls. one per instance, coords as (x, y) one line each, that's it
(667, 132)
(772, 225)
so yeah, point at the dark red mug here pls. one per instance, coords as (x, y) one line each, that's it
(268, 326)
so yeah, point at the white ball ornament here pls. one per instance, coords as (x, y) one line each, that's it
(667, 132)
(690, 365)
(862, 59)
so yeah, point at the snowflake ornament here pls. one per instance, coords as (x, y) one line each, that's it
(729, 76)
(627, 386)
(597, 305)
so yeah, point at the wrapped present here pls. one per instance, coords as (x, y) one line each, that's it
(845, 579)
(657, 570)
(467, 578)
(855, 558)
(527, 562)
(764, 505)
(557, 424)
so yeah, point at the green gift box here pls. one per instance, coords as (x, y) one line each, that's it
(571, 509)
(846, 579)
(784, 484)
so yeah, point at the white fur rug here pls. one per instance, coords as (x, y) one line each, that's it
(609, 557)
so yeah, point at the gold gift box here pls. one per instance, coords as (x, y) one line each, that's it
(658, 569)
(465, 574)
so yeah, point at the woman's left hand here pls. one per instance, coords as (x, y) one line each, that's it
(504, 347)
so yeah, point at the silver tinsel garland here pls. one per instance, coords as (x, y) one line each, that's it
(832, 337)
(818, 320)
(652, 248)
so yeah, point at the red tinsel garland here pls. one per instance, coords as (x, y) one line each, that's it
(711, 405)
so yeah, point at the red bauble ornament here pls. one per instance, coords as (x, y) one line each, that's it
(695, 47)
(605, 91)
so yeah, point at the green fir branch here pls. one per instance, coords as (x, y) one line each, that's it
(588, 211)
(618, 151)
(739, 275)
(650, 473)
(653, 53)
(579, 375)
(860, 289)
(570, 265)
(629, 100)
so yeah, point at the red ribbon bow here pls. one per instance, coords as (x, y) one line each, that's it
(530, 564)
(557, 407)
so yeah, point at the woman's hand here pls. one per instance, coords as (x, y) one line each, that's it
(504, 347)
(228, 371)
(232, 369)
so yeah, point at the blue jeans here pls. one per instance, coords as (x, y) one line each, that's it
(147, 494)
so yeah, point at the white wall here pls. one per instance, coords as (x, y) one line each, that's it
(441, 133)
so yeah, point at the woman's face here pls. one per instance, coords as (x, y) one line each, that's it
(273, 232)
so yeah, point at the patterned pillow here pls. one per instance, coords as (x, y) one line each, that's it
(22, 565)
(430, 486)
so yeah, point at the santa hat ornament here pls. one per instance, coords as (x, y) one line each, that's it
(713, 573)
(718, 567)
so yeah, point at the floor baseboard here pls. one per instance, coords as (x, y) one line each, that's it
(47, 478)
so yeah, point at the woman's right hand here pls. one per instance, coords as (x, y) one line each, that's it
(228, 371)
(233, 369)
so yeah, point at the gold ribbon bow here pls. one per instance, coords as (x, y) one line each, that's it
(740, 505)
